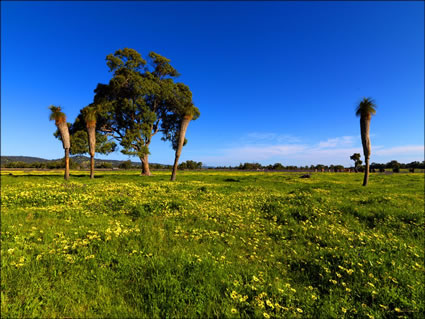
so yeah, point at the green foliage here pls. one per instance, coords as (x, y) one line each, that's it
(57, 114)
(79, 135)
(103, 165)
(138, 98)
(267, 245)
(357, 161)
(393, 164)
(89, 114)
(250, 166)
(180, 105)
(278, 166)
(190, 165)
(125, 165)
(366, 107)
(80, 145)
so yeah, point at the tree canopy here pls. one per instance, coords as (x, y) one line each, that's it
(366, 108)
(140, 100)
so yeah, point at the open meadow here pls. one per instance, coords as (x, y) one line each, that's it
(212, 244)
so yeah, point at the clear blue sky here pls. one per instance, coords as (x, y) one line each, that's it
(274, 81)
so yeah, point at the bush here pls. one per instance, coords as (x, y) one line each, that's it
(125, 165)
(104, 165)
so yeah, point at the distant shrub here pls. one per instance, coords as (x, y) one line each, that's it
(125, 165)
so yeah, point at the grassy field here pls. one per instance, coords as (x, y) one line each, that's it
(213, 244)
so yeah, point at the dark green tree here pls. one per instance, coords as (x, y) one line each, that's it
(125, 165)
(278, 166)
(365, 110)
(357, 161)
(133, 103)
(190, 165)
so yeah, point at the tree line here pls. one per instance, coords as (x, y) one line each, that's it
(191, 165)
(141, 100)
(374, 167)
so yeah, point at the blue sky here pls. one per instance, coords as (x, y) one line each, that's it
(274, 81)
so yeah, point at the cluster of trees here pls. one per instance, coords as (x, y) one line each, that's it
(394, 165)
(46, 165)
(279, 166)
(141, 100)
(190, 165)
(55, 164)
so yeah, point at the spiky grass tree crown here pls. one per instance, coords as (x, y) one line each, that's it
(57, 115)
(90, 116)
(366, 107)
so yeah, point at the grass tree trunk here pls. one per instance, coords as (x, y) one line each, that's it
(182, 134)
(63, 130)
(91, 130)
(364, 128)
(66, 163)
(145, 165)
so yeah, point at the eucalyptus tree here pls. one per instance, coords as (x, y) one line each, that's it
(365, 110)
(133, 102)
(60, 121)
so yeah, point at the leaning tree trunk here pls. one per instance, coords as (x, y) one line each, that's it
(183, 128)
(364, 129)
(145, 165)
(91, 130)
(64, 132)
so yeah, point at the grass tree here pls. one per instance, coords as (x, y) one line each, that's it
(60, 120)
(90, 119)
(176, 126)
(85, 137)
(365, 110)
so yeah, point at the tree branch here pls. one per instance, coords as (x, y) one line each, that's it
(155, 128)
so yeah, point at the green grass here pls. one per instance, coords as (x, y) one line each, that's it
(213, 244)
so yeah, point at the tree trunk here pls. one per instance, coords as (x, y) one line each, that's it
(91, 166)
(64, 132)
(91, 130)
(366, 173)
(67, 163)
(145, 165)
(182, 134)
(364, 130)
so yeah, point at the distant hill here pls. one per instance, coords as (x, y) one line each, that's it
(77, 159)
(25, 159)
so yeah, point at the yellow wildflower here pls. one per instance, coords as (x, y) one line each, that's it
(234, 295)
(269, 303)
